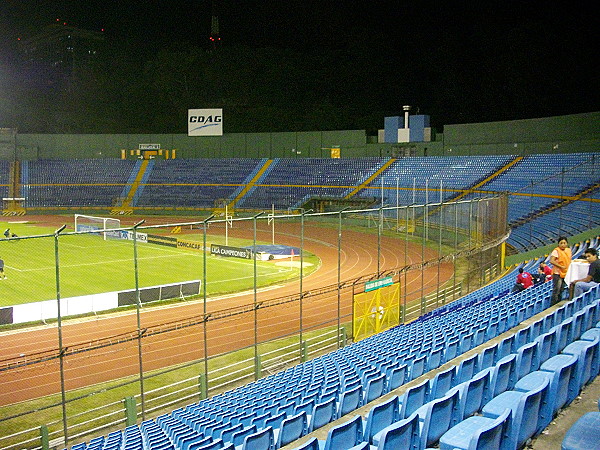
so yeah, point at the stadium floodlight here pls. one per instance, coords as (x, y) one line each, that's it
(98, 224)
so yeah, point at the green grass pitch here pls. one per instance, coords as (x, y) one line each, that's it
(89, 264)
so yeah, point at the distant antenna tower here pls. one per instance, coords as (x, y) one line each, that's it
(215, 38)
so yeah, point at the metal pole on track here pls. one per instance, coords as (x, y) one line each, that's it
(423, 259)
(455, 250)
(339, 274)
(301, 277)
(379, 230)
(440, 222)
(426, 210)
(255, 292)
(397, 203)
(204, 325)
(138, 306)
(60, 338)
(403, 318)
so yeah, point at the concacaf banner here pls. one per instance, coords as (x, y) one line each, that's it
(205, 122)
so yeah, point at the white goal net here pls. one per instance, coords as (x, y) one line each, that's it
(101, 225)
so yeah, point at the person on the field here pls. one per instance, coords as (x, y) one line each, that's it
(2, 274)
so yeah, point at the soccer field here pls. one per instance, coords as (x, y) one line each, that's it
(88, 264)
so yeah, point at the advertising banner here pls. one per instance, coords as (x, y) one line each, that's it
(162, 240)
(376, 284)
(205, 122)
(236, 252)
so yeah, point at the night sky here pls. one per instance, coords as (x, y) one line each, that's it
(460, 62)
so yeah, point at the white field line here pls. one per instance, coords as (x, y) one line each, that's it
(263, 270)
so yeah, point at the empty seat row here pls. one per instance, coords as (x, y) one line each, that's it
(501, 406)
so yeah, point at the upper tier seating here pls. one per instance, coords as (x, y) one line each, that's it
(291, 181)
(74, 182)
(195, 182)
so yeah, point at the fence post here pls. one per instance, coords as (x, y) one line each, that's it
(304, 351)
(344, 337)
(45, 437)
(203, 385)
(257, 367)
(130, 411)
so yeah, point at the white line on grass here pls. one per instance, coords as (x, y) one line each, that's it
(144, 258)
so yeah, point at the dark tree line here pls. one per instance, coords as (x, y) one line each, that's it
(519, 71)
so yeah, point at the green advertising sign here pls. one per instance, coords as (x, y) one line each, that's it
(376, 284)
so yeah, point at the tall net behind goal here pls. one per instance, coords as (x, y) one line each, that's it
(101, 225)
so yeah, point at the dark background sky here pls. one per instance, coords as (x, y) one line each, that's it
(459, 62)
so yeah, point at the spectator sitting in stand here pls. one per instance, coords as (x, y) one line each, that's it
(544, 273)
(593, 277)
(524, 280)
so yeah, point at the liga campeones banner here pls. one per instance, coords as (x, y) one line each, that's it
(205, 122)
(236, 252)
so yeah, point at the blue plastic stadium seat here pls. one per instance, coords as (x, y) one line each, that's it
(396, 377)
(522, 337)
(417, 367)
(474, 393)
(375, 389)
(438, 416)
(487, 357)
(560, 370)
(587, 354)
(451, 350)
(292, 428)
(259, 440)
(583, 434)
(547, 346)
(238, 437)
(505, 347)
(403, 434)
(466, 368)
(414, 397)
(563, 330)
(504, 375)
(228, 431)
(311, 444)
(349, 401)
(380, 416)
(591, 335)
(527, 359)
(477, 432)
(345, 435)
(322, 414)
(442, 383)
(525, 406)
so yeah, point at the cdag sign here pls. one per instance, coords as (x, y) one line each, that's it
(205, 122)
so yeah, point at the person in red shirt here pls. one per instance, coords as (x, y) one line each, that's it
(544, 273)
(524, 281)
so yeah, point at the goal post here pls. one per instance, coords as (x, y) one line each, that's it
(97, 224)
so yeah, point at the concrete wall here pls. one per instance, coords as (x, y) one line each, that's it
(563, 134)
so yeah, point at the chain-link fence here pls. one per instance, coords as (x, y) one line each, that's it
(162, 316)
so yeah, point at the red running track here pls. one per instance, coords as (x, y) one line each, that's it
(358, 257)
